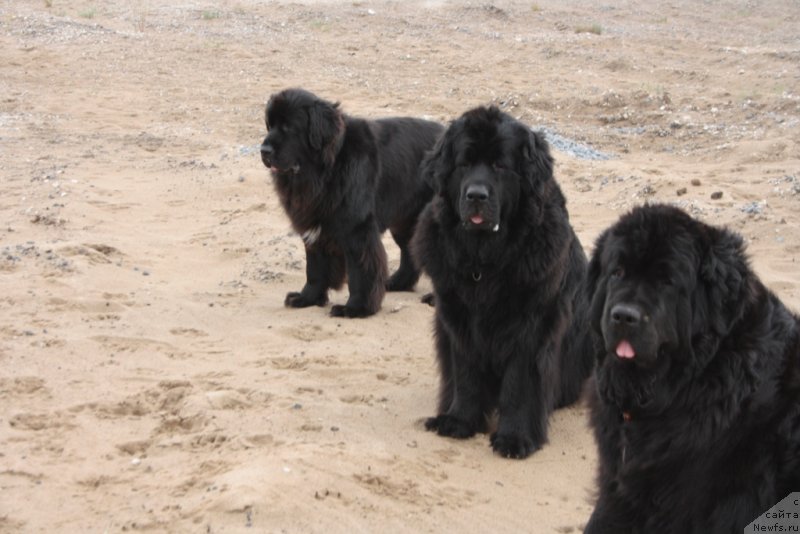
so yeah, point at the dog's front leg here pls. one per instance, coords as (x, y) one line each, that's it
(365, 259)
(315, 291)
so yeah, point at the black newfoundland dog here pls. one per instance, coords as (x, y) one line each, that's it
(511, 328)
(696, 409)
(343, 181)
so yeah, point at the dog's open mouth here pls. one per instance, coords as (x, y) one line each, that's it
(268, 158)
(478, 221)
(625, 350)
(294, 169)
(632, 351)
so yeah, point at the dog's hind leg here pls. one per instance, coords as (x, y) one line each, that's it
(407, 275)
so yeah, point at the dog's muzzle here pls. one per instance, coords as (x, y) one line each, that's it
(266, 154)
(476, 210)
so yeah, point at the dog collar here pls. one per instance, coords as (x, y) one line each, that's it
(626, 416)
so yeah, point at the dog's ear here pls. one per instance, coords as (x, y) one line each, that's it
(594, 290)
(725, 279)
(270, 104)
(438, 164)
(325, 129)
(537, 163)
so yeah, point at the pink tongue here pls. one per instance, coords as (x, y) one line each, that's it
(476, 219)
(625, 350)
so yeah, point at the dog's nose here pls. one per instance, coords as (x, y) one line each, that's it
(266, 149)
(477, 192)
(626, 314)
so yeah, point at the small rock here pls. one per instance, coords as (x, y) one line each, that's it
(681, 191)
(647, 191)
(716, 195)
(582, 185)
(754, 208)
(696, 182)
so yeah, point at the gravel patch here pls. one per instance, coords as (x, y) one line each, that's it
(573, 148)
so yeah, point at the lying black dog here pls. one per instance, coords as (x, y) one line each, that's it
(696, 410)
(343, 181)
(507, 268)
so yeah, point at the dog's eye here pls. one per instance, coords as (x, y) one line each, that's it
(499, 166)
(618, 272)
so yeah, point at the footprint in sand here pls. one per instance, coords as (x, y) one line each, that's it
(309, 332)
(227, 399)
(133, 345)
(187, 332)
(369, 400)
(22, 385)
(293, 364)
(96, 254)
(88, 306)
(135, 448)
(168, 398)
(41, 421)
(113, 207)
(98, 481)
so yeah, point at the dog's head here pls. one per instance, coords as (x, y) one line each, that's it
(303, 130)
(663, 287)
(484, 163)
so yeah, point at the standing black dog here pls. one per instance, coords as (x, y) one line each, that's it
(343, 181)
(696, 409)
(507, 271)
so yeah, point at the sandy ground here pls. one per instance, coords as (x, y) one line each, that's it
(150, 378)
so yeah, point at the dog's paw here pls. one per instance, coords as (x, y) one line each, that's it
(449, 426)
(400, 283)
(298, 300)
(513, 445)
(339, 310)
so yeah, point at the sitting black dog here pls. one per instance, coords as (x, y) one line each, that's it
(507, 270)
(696, 409)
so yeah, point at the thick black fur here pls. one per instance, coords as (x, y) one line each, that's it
(343, 181)
(510, 324)
(698, 423)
